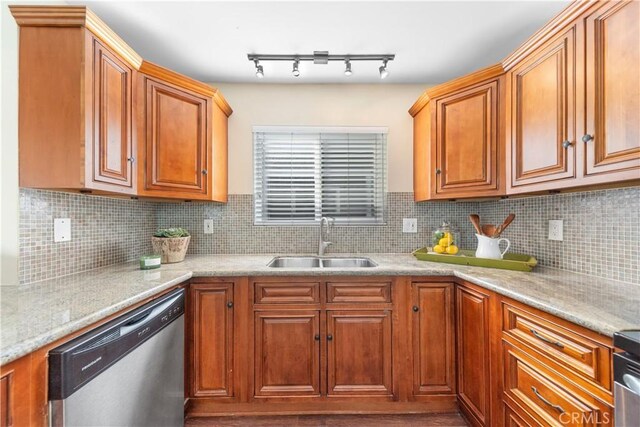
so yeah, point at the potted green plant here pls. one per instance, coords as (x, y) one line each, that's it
(171, 244)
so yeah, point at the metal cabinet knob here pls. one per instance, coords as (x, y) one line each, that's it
(438, 171)
(204, 172)
(230, 304)
(317, 337)
(329, 337)
(566, 144)
(587, 138)
(416, 308)
(131, 159)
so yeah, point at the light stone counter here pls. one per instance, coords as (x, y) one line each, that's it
(35, 315)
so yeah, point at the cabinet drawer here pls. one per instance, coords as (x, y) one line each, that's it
(359, 292)
(287, 293)
(547, 398)
(572, 351)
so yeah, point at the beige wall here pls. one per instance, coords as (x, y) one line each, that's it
(8, 149)
(320, 105)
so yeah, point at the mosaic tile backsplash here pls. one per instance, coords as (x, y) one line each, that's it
(601, 230)
(235, 232)
(104, 231)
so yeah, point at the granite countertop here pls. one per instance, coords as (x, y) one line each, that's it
(34, 315)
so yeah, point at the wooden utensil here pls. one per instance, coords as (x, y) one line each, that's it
(475, 220)
(489, 230)
(508, 220)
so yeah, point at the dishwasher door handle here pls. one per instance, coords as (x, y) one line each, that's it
(155, 312)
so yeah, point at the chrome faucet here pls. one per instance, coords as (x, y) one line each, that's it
(322, 243)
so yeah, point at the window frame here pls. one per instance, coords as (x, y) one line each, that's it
(350, 222)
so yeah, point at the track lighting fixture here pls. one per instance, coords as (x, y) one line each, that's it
(259, 69)
(347, 68)
(384, 73)
(321, 57)
(296, 69)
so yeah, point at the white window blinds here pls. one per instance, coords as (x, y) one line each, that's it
(302, 174)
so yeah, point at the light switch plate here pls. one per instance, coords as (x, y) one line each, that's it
(556, 229)
(208, 226)
(61, 229)
(409, 225)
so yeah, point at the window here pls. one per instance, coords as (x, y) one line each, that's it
(304, 173)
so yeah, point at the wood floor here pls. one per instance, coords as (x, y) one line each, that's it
(409, 420)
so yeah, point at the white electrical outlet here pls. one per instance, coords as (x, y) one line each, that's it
(208, 226)
(409, 225)
(61, 229)
(556, 229)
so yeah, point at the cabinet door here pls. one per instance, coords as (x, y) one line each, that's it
(543, 114)
(613, 91)
(178, 139)
(465, 161)
(212, 340)
(112, 139)
(473, 354)
(287, 353)
(359, 353)
(433, 339)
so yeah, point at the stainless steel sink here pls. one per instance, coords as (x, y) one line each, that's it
(294, 262)
(317, 262)
(347, 263)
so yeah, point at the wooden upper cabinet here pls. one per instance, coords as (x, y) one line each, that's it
(543, 121)
(75, 102)
(176, 134)
(612, 63)
(94, 117)
(212, 332)
(458, 146)
(112, 148)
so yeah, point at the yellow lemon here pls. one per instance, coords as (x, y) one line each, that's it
(438, 249)
(452, 250)
(445, 241)
(448, 235)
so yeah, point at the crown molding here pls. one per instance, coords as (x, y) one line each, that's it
(465, 81)
(551, 28)
(170, 76)
(75, 16)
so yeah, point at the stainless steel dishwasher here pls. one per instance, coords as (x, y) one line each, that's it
(128, 372)
(626, 372)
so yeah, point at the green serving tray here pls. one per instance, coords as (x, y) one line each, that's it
(518, 262)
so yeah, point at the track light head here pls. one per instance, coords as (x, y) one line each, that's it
(259, 69)
(384, 73)
(347, 68)
(296, 69)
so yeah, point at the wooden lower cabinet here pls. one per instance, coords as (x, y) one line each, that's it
(212, 339)
(287, 353)
(433, 342)
(546, 397)
(359, 353)
(473, 354)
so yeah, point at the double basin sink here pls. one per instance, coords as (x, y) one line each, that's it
(320, 262)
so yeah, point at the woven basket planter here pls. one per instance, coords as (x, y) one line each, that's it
(171, 249)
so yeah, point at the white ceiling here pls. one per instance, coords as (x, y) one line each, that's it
(433, 41)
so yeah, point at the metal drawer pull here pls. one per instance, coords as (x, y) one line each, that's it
(546, 402)
(545, 339)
